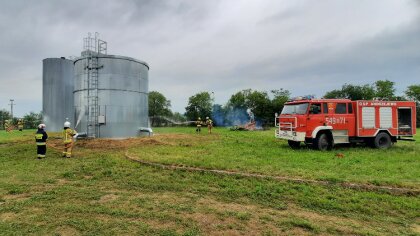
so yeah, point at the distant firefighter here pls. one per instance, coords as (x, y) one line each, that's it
(209, 124)
(8, 126)
(20, 124)
(68, 139)
(198, 123)
(41, 141)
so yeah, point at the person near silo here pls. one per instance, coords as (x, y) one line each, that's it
(198, 124)
(41, 141)
(7, 126)
(209, 124)
(20, 124)
(68, 139)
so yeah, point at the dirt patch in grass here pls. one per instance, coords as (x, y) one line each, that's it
(416, 228)
(66, 231)
(108, 198)
(16, 197)
(8, 216)
(62, 181)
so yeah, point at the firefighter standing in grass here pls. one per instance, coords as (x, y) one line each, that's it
(20, 124)
(7, 126)
(209, 124)
(41, 141)
(198, 123)
(68, 135)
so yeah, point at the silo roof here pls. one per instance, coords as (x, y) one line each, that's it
(116, 57)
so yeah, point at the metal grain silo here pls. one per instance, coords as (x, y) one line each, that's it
(57, 94)
(110, 95)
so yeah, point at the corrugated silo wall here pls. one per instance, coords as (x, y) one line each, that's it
(123, 87)
(57, 92)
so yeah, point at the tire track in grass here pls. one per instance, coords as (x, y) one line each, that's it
(357, 186)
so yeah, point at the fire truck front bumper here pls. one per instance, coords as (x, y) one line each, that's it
(290, 135)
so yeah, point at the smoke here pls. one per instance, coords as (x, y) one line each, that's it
(234, 117)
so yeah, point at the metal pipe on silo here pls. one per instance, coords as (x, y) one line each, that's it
(57, 94)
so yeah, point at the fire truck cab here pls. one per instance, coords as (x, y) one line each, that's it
(323, 123)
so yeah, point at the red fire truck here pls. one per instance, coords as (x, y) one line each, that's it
(323, 123)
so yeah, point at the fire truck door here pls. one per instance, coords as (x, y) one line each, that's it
(316, 117)
(343, 122)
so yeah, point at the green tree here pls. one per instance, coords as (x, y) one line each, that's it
(259, 103)
(159, 107)
(353, 92)
(239, 99)
(336, 93)
(178, 117)
(413, 92)
(384, 89)
(32, 120)
(280, 96)
(199, 105)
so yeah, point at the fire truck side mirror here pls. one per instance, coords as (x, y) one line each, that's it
(277, 114)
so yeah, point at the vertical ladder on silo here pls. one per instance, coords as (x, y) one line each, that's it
(93, 130)
(93, 47)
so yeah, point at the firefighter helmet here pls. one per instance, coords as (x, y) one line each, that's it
(41, 126)
(67, 124)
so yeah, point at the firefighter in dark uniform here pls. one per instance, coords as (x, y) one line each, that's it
(198, 123)
(41, 141)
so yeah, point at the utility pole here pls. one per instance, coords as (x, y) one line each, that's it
(11, 106)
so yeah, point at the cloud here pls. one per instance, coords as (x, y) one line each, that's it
(221, 46)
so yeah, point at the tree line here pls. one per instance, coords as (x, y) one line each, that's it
(264, 104)
(30, 120)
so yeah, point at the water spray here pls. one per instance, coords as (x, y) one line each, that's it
(79, 118)
(175, 122)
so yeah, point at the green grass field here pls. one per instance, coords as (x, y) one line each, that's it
(100, 192)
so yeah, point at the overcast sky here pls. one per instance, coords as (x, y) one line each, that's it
(307, 47)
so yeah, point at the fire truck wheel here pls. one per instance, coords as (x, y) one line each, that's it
(293, 144)
(382, 141)
(322, 142)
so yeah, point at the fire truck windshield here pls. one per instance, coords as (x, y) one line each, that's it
(295, 109)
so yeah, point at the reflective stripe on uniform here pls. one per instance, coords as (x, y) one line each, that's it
(40, 155)
(41, 143)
